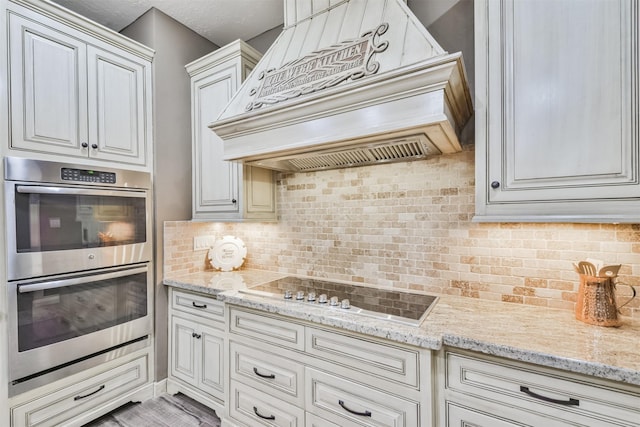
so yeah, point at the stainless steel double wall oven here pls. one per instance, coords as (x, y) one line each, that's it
(79, 274)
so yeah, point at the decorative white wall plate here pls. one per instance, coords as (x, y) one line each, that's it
(227, 253)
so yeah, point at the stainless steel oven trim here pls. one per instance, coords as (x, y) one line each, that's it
(29, 265)
(37, 189)
(40, 286)
(20, 169)
(31, 362)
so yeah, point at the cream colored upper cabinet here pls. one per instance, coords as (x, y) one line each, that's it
(557, 114)
(75, 95)
(222, 190)
(117, 107)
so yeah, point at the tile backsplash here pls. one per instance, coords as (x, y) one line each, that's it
(409, 225)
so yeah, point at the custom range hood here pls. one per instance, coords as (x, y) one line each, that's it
(347, 83)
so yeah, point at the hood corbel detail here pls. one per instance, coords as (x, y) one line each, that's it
(360, 82)
(321, 69)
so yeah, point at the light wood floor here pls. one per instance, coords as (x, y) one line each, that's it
(163, 411)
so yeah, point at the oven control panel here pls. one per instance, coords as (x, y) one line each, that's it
(87, 175)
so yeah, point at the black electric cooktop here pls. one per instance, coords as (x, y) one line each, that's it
(389, 304)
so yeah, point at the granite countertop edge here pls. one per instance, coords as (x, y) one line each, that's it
(576, 365)
(439, 329)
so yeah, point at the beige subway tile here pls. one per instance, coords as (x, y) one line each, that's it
(512, 298)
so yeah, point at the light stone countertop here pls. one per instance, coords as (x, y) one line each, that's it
(215, 282)
(543, 336)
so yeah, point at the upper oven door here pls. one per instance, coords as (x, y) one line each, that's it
(55, 228)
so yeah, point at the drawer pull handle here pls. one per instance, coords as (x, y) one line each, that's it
(570, 402)
(362, 414)
(264, 417)
(90, 394)
(196, 336)
(199, 305)
(270, 376)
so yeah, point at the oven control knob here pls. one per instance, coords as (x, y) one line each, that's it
(300, 295)
(311, 297)
(345, 304)
(287, 294)
(334, 301)
(322, 299)
(92, 256)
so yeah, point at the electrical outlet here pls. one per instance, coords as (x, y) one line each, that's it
(203, 242)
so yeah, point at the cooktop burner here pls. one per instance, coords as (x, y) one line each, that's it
(399, 306)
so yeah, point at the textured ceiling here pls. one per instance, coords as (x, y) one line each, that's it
(219, 21)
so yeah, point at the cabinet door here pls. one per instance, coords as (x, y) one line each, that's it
(216, 181)
(184, 353)
(48, 88)
(557, 107)
(116, 107)
(259, 193)
(197, 355)
(212, 369)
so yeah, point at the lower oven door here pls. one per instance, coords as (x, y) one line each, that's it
(63, 320)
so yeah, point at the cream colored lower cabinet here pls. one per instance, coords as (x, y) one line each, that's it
(486, 391)
(285, 372)
(196, 348)
(93, 393)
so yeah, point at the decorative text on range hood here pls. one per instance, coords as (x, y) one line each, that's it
(351, 59)
(360, 82)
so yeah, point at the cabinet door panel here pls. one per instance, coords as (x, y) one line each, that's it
(211, 375)
(48, 88)
(183, 363)
(571, 89)
(259, 192)
(116, 107)
(564, 99)
(216, 180)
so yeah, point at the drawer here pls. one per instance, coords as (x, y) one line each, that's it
(383, 360)
(462, 416)
(268, 372)
(199, 305)
(253, 407)
(469, 412)
(62, 405)
(351, 404)
(314, 421)
(265, 328)
(544, 392)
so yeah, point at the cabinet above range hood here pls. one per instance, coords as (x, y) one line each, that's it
(347, 83)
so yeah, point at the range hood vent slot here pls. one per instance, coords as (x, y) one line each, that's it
(347, 83)
(415, 147)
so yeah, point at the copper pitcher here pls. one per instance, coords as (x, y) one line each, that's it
(596, 303)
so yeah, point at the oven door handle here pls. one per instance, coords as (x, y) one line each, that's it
(34, 189)
(24, 288)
